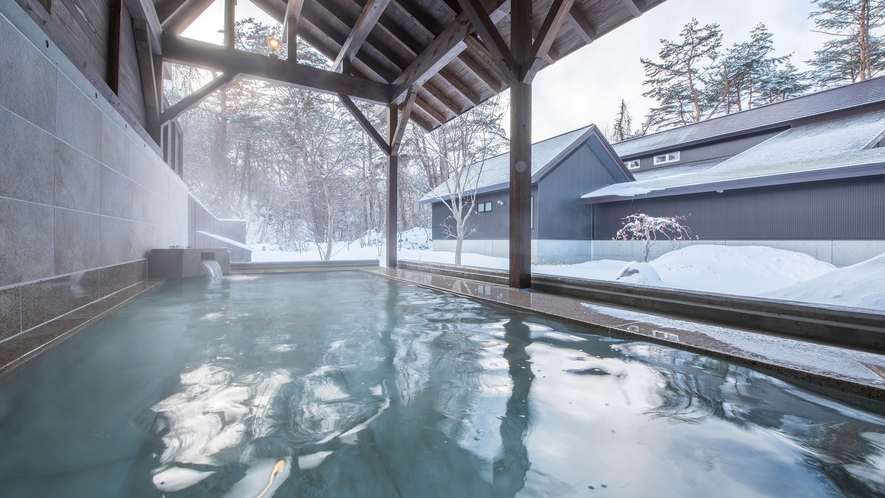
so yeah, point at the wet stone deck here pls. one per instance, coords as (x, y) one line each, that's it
(857, 373)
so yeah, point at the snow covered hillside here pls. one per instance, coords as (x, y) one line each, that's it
(859, 286)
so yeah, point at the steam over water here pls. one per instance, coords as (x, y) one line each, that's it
(345, 384)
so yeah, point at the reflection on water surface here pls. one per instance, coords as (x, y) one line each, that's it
(345, 384)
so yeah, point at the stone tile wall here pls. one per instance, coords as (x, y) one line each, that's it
(82, 197)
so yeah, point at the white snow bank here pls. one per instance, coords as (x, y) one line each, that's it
(745, 270)
(858, 286)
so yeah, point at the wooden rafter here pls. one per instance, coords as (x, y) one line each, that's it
(406, 112)
(148, 78)
(180, 107)
(365, 22)
(484, 25)
(545, 37)
(488, 60)
(114, 27)
(585, 30)
(166, 8)
(364, 122)
(201, 54)
(291, 18)
(144, 11)
(444, 46)
(482, 76)
(633, 5)
(185, 15)
(459, 87)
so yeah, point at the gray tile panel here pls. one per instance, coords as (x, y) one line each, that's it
(115, 146)
(116, 241)
(114, 194)
(26, 241)
(10, 312)
(78, 120)
(44, 300)
(28, 79)
(27, 160)
(77, 241)
(77, 180)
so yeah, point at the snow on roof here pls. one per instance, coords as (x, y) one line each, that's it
(827, 145)
(496, 170)
(781, 113)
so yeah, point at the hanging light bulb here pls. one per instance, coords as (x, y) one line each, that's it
(273, 44)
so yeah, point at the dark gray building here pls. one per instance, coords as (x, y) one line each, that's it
(563, 168)
(807, 174)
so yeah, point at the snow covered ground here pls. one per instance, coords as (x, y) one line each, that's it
(742, 270)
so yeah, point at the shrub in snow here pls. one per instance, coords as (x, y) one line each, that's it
(641, 226)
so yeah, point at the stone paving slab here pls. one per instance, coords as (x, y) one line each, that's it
(854, 372)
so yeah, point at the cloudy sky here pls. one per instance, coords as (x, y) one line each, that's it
(586, 86)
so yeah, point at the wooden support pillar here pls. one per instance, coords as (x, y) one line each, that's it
(230, 21)
(392, 166)
(521, 149)
(114, 29)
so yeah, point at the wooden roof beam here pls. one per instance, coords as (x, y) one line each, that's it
(166, 8)
(143, 10)
(364, 122)
(148, 76)
(365, 22)
(484, 25)
(459, 87)
(478, 48)
(633, 5)
(546, 35)
(585, 30)
(445, 47)
(185, 15)
(406, 110)
(201, 54)
(292, 16)
(180, 107)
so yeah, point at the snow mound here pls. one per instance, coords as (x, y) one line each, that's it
(746, 270)
(640, 273)
(857, 286)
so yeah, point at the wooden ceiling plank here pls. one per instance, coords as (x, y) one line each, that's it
(364, 122)
(482, 76)
(446, 46)
(406, 110)
(584, 29)
(429, 109)
(459, 87)
(184, 16)
(442, 98)
(633, 5)
(418, 117)
(545, 37)
(484, 25)
(180, 107)
(367, 20)
(478, 48)
(201, 54)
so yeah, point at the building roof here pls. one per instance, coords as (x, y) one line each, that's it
(757, 119)
(494, 173)
(835, 148)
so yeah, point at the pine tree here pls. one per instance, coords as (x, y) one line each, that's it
(681, 81)
(857, 53)
(621, 126)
